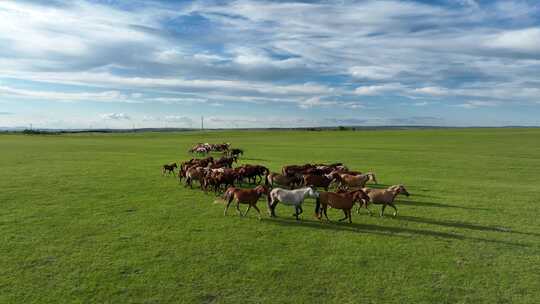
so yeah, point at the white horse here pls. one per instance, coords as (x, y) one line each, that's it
(289, 197)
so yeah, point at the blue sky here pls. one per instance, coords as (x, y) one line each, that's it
(118, 64)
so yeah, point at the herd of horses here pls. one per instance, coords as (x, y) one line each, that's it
(290, 187)
(205, 148)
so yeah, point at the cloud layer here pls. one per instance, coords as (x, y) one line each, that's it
(316, 59)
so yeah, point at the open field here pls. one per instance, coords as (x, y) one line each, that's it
(88, 218)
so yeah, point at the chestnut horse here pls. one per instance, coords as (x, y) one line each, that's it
(344, 201)
(383, 197)
(244, 196)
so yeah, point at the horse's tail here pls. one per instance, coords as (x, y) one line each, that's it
(228, 193)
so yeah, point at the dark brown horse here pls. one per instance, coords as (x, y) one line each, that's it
(344, 201)
(273, 179)
(225, 161)
(252, 172)
(168, 168)
(217, 179)
(244, 196)
(322, 181)
(235, 152)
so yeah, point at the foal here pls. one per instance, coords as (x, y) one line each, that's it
(289, 197)
(244, 196)
(168, 168)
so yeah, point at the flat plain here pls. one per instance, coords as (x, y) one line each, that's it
(87, 218)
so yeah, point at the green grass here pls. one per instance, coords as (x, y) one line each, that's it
(89, 219)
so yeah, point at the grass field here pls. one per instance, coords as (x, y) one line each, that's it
(88, 219)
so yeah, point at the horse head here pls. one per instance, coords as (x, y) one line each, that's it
(312, 193)
(399, 189)
(372, 177)
(261, 190)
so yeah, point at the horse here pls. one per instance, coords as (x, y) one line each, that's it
(216, 178)
(358, 181)
(383, 197)
(168, 168)
(289, 197)
(252, 172)
(236, 152)
(344, 201)
(323, 181)
(225, 161)
(195, 173)
(291, 170)
(244, 196)
(284, 180)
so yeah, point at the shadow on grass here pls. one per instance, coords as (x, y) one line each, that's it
(463, 225)
(382, 230)
(436, 205)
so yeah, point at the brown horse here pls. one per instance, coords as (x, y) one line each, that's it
(273, 179)
(195, 173)
(322, 181)
(244, 196)
(216, 179)
(383, 197)
(252, 172)
(344, 201)
(225, 161)
(356, 181)
(168, 168)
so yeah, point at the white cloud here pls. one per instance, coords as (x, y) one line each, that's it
(115, 116)
(103, 96)
(473, 104)
(375, 72)
(378, 89)
(523, 40)
(315, 102)
(436, 91)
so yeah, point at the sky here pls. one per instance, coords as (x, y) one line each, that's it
(149, 63)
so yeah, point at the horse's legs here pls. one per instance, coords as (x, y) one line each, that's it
(369, 210)
(344, 212)
(393, 206)
(382, 210)
(273, 206)
(247, 209)
(296, 212)
(349, 214)
(228, 203)
(238, 208)
(325, 207)
(258, 211)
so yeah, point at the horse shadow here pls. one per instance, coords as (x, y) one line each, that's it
(463, 225)
(382, 230)
(437, 205)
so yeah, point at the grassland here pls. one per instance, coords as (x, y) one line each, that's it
(88, 219)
